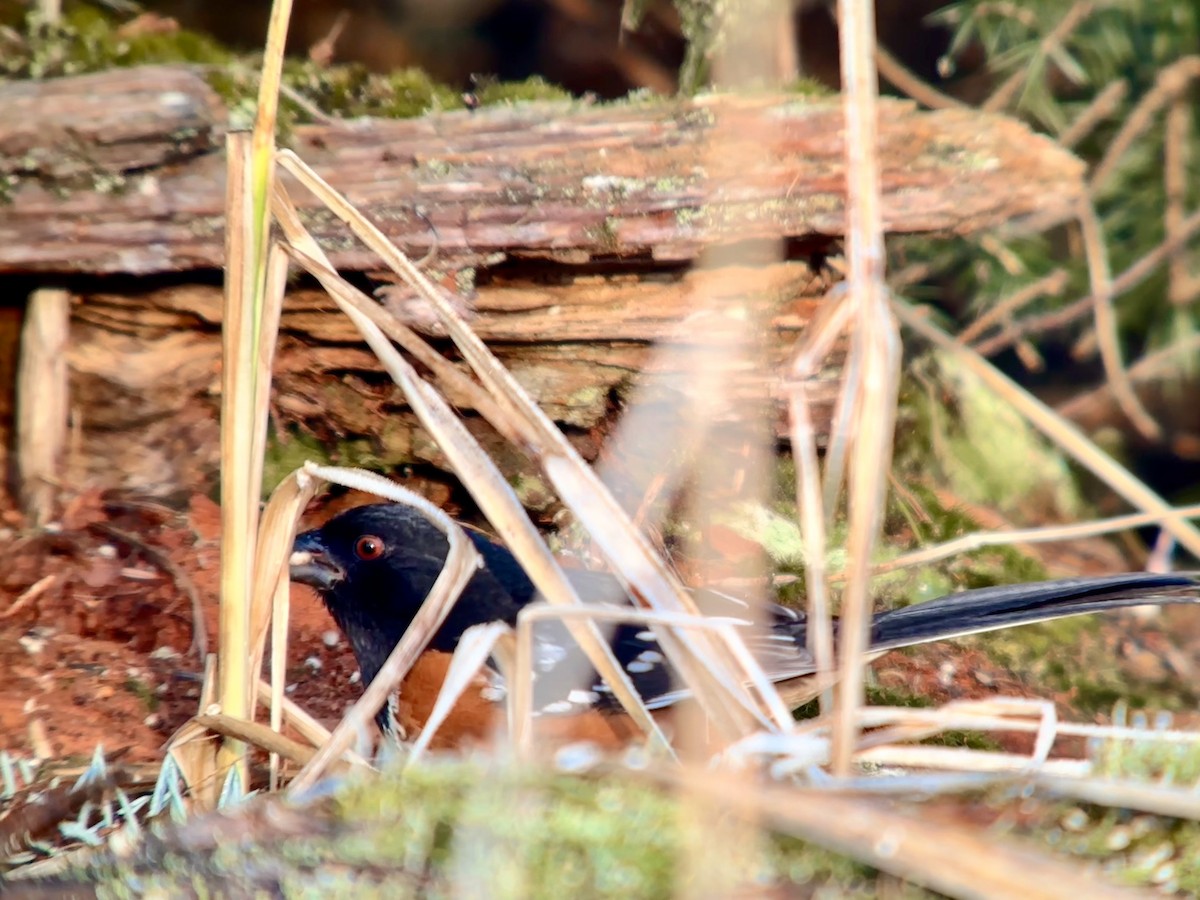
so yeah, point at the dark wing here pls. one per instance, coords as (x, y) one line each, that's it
(562, 684)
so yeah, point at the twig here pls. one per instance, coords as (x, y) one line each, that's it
(313, 111)
(1102, 106)
(259, 735)
(30, 594)
(1048, 285)
(1077, 309)
(1154, 365)
(1103, 292)
(1172, 82)
(921, 91)
(181, 578)
(1049, 534)
(1181, 285)
(835, 313)
(324, 50)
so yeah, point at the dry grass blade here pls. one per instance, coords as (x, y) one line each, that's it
(836, 311)
(308, 727)
(1004, 714)
(1159, 800)
(875, 345)
(962, 759)
(631, 556)
(194, 748)
(257, 735)
(807, 747)
(462, 561)
(253, 297)
(239, 495)
(470, 656)
(271, 597)
(447, 374)
(1015, 536)
(1063, 433)
(943, 856)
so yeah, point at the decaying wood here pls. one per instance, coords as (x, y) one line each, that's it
(104, 126)
(570, 181)
(565, 232)
(145, 367)
(42, 396)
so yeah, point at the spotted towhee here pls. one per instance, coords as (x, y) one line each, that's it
(374, 565)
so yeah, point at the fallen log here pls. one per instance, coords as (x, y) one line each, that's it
(565, 231)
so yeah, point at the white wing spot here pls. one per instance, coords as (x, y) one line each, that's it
(583, 698)
(639, 668)
(645, 636)
(650, 656)
(547, 655)
(558, 707)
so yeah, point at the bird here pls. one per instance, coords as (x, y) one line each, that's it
(373, 566)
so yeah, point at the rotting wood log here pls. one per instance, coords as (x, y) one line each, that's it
(569, 181)
(145, 368)
(564, 231)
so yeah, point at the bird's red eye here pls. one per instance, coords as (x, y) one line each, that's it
(369, 547)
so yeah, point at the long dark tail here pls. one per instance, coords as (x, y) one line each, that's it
(988, 609)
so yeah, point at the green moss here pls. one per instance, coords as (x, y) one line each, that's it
(1135, 849)
(976, 444)
(1067, 658)
(350, 91)
(88, 40)
(532, 492)
(535, 89)
(809, 87)
(288, 452)
(458, 829)
(521, 834)
(1148, 760)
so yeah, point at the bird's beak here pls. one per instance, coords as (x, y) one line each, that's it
(310, 563)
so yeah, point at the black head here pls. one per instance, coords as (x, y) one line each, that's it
(373, 567)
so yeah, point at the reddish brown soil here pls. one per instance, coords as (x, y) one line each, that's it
(101, 653)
